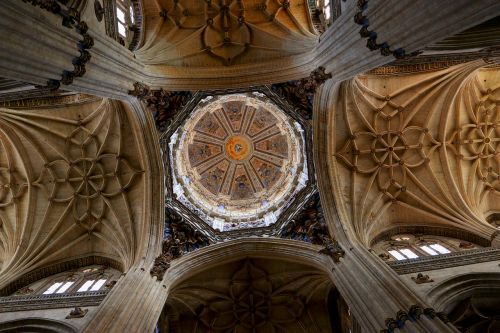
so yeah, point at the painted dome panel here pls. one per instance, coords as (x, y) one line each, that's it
(237, 161)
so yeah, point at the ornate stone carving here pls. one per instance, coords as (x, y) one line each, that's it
(77, 312)
(98, 10)
(163, 104)
(415, 312)
(300, 93)
(309, 225)
(430, 312)
(332, 249)
(24, 291)
(421, 278)
(478, 142)
(179, 238)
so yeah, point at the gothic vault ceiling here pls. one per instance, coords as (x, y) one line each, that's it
(418, 149)
(251, 296)
(238, 161)
(199, 34)
(71, 182)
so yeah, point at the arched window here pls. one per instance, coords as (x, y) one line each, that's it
(86, 279)
(124, 21)
(329, 10)
(413, 246)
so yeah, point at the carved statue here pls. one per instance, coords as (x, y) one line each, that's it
(179, 238)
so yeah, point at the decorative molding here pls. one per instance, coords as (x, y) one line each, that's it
(426, 63)
(300, 93)
(178, 238)
(49, 101)
(70, 19)
(54, 301)
(164, 105)
(454, 259)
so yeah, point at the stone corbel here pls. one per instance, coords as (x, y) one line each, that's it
(421, 278)
(77, 312)
(332, 249)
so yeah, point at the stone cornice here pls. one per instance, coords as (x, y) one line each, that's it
(55, 301)
(445, 261)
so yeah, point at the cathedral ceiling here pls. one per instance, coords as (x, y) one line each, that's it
(71, 182)
(210, 34)
(238, 161)
(251, 296)
(420, 149)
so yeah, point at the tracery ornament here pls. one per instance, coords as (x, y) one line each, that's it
(300, 93)
(389, 148)
(476, 314)
(254, 300)
(226, 32)
(179, 238)
(163, 104)
(477, 140)
(86, 177)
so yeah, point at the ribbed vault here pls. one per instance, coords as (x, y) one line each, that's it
(209, 34)
(417, 149)
(72, 183)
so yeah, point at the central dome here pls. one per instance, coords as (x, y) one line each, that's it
(238, 161)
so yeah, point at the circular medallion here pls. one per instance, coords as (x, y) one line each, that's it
(238, 147)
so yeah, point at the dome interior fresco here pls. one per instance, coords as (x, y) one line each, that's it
(237, 161)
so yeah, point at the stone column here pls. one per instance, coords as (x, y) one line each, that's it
(377, 297)
(36, 48)
(408, 25)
